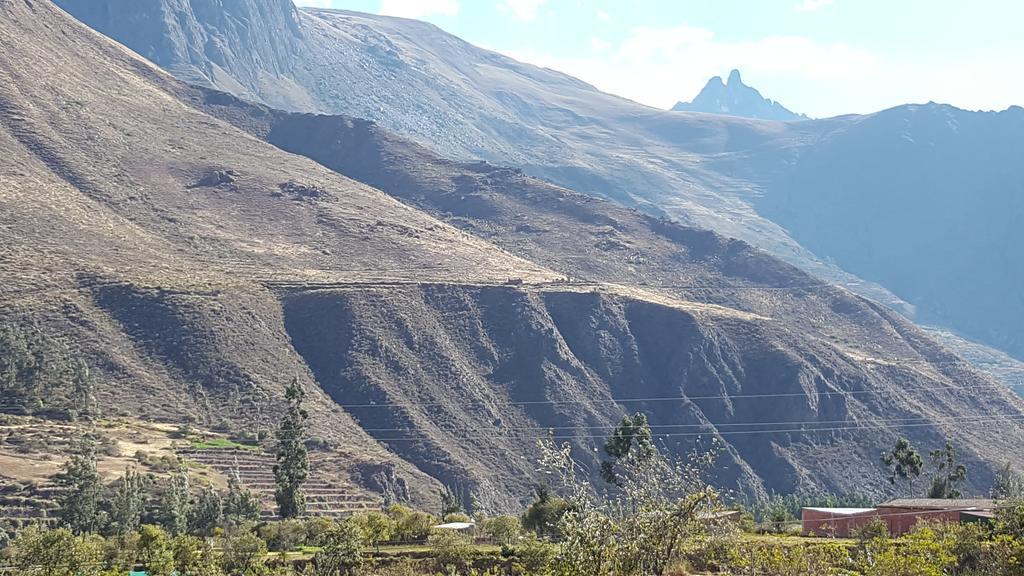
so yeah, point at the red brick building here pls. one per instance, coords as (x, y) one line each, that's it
(899, 515)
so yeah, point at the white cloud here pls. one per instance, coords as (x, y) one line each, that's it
(419, 8)
(521, 9)
(599, 44)
(812, 5)
(316, 3)
(603, 16)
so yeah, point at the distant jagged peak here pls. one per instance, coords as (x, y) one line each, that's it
(734, 98)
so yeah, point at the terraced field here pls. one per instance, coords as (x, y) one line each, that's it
(325, 495)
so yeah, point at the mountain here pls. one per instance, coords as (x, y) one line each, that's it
(734, 98)
(725, 173)
(178, 240)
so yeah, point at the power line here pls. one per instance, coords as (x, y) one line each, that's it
(673, 398)
(712, 431)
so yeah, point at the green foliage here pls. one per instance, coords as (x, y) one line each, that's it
(534, 556)
(410, 525)
(340, 553)
(79, 503)
(240, 505)
(905, 463)
(451, 550)
(194, 557)
(545, 513)
(451, 502)
(243, 554)
(292, 466)
(40, 374)
(39, 552)
(207, 513)
(503, 530)
(376, 527)
(285, 535)
(154, 551)
(128, 502)
(630, 433)
(948, 474)
(176, 503)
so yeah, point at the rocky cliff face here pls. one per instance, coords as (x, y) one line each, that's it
(734, 98)
(248, 47)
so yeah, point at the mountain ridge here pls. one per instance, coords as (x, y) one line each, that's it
(734, 98)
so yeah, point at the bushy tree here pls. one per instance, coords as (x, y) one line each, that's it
(194, 556)
(504, 530)
(40, 552)
(410, 525)
(340, 554)
(128, 502)
(947, 473)
(631, 437)
(904, 462)
(243, 554)
(1007, 484)
(153, 549)
(176, 503)
(292, 466)
(376, 527)
(240, 505)
(207, 514)
(543, 515)
(79, 502)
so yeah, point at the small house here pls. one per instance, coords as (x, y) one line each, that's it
(899, 515)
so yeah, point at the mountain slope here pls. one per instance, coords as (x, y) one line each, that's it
(199, 269)
(593, 241)
(734, 98)
(733, 175)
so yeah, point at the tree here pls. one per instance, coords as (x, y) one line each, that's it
(243, 554)
(905, 463)
(240, 506)
(377, 527)
(340, 553)
(410, 524)
(208, 513)
(544, 513)
(1007, 484)
(176, 503)
(128, 503)
(948, 473)
(292, 466)
(630, 433)
(451, 502)
(194, 557)
(154, 551)
(503, 530)
(40, 552)
(78, 504)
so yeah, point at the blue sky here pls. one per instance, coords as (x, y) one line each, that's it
(819, 57)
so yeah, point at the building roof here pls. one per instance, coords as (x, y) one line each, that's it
(842, 511)
(941, 503)
(456, 526)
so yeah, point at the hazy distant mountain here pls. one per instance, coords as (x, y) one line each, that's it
(734, 98)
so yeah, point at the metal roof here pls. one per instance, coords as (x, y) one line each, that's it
(941, 503)
(842, 511)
